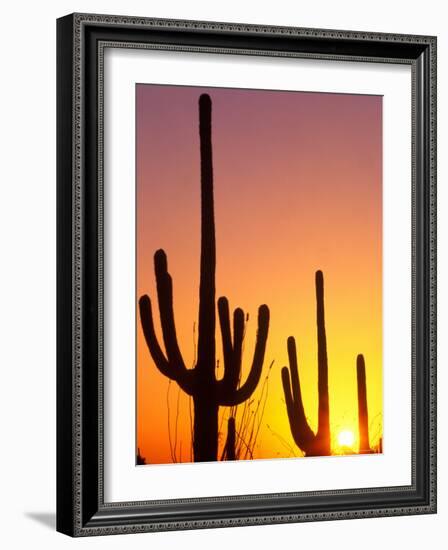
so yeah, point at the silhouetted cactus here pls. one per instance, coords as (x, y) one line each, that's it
(140, 459)
(363, 413)
(319, 443)
(207, 392)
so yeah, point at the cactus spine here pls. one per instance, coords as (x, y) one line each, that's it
(319, 443)
(200, 383)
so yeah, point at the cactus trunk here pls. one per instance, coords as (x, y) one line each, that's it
(205, 425)
(207, 318)
(231, 439)
(205, 443)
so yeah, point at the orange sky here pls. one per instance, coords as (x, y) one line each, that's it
(298, 187)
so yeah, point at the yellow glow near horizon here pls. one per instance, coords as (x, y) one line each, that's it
(346, 438)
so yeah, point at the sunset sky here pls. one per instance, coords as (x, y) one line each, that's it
(297, 187)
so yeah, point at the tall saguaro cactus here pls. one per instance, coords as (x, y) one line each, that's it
(363, 413)
(207, 392)
(319, 443)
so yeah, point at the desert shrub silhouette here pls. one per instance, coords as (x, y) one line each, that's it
(200, 382)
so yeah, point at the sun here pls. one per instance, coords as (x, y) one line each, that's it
(346, 438)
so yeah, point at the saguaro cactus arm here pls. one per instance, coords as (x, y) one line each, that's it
(303, 435)
(237, 396)
(173, 365)
(232, 351)
(151, 339)
(165, 297)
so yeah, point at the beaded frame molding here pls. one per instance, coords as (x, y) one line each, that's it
(81, 509)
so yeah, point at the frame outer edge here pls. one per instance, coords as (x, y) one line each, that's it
(222, 26)
(64, 428)
(433, 274)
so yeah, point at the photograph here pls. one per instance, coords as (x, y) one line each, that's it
(258, 274)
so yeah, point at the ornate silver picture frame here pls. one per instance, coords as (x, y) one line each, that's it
(82, 506)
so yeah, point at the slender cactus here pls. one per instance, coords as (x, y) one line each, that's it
(363, 413)
(207, 392)
(319, 443)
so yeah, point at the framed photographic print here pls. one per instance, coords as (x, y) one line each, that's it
(246, 274)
